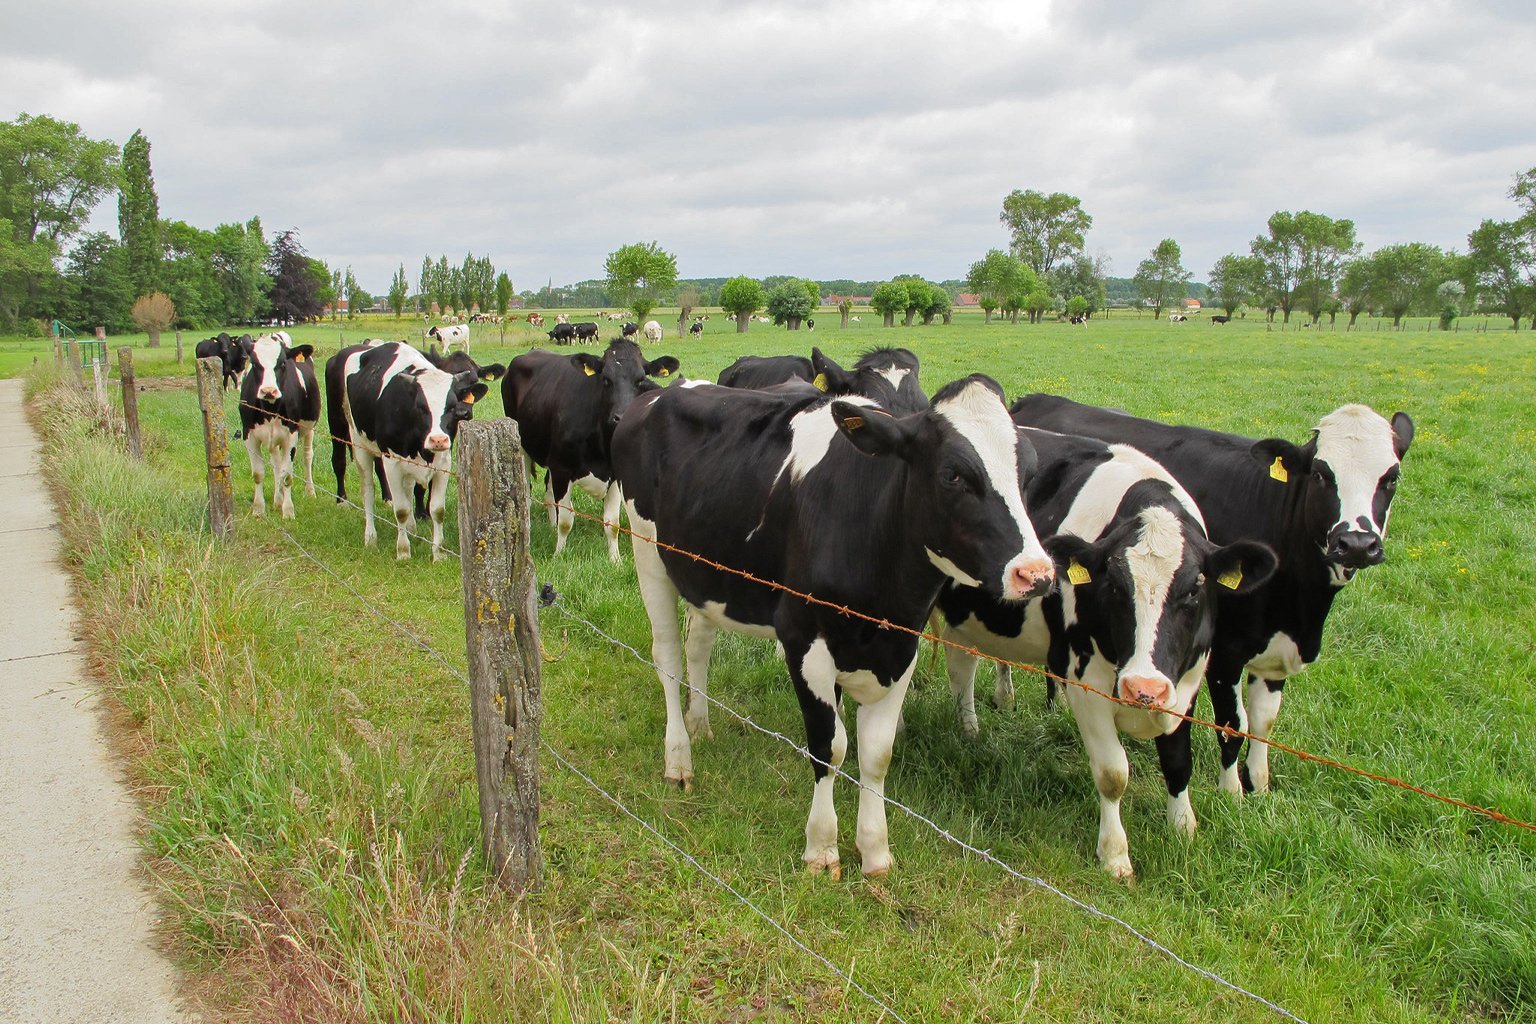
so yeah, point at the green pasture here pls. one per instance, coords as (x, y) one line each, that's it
(311, 803)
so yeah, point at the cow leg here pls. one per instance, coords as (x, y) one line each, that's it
(1173, 754)
(1263, 705)
(613, 499)
(258, 473)
(1111, 769)
(962, 684)
(307, 439)
(400, 501)
(339, 467)
(366, 464)
(282, 472)
(378, 471)
(420, 493)
(549, 495)
(878, 722)
(559, 492)
(1002, 689)
(1227, 710)
(660, 599)
(700, 644)
(827, 741)
(438, 510)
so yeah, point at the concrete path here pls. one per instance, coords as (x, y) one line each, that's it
(76, 940)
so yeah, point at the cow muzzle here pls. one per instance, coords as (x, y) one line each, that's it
(268, 393)
(438, 442)
(1029, 579)
(1355, 549)
(1151, 691)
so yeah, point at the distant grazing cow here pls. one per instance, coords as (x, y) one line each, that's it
(229, 351)
(535, 319)
(855, 319)
(629, 329)
(1134, 617)
(615, 316)
(1176, 318)
(566, 408)
(832, 497)
(1080, 319)
(810, 324)
(763, 319)
(652, 330)
(562, 333)
(562, 318)
(395, 407)
(1322, 506)
(279, 406)
(585, 331)
(450, 336)
(1220, 319)
(766, 371)
(696, 329)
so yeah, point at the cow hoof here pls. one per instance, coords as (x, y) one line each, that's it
(403, 556)
(309, 492)
(1121, 870)
(1003, 702)
(257, 513)
(682, 778)
(969, 728)
(1230, 784)
(698, 728)
(288, 512)
(828, 865)
(878, 867)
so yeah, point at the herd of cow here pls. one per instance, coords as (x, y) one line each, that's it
(1130, 558)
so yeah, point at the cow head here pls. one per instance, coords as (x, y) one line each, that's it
(888, 375)
(272, 363)
(965, 483)
(444, 400)
(460, 362)
(621, 373)
(1146, 591)
(1343, 480)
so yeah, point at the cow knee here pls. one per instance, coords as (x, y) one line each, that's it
(1111, 780)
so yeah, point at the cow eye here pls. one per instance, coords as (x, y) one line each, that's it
(1390, 483)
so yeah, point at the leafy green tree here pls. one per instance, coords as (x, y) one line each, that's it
(399, 291)
(1502, 260)
(138, 216)
(1355, 288)
(1037, 300)
(189, 276)
(993, 278)
(1045, 229)
(687, 299)
(1079, 276)
(51, 178)
(1234, 280)
(1077, 306)
(939, 303)
(1160, 278)
(299, 284)
(1449, 297)
(239, 256)
(1404, 277)
(442, 284)
(503, 293)
(424, 283)
(100, 292)
(740, 297)
(638, 274)
(789, 303)
(1302, 257)
(813, 289)
(889, 299)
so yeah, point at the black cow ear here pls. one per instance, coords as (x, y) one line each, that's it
(473, 394)
(1285, 461)
(1402, 433)
(1077, 560)
(302, 353)
(495, 371)
(1241, 567)
(827, 375)
(587, 363)
(662, 366)
(872, 431)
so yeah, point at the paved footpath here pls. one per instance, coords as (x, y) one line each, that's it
(76, 942)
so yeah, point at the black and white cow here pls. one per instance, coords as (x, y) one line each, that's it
(1219, 319)
(888, 375)
(229, 351)
(458, 334)
(399, 409)
(1134, 616)
(839, 499)
(696, 329)
(279, 406)
(562, 333)
(585, 331)
(1322, 506)
(628, 329)
(765, 371)
(566, 408)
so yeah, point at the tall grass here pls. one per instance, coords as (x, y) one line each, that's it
(310, 786)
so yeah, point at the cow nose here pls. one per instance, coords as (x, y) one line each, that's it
(438, 442)
(1031, 579)
(270, 393)
(1150, 690)
(1357, 549)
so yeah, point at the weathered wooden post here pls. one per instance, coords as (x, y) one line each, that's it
(178, 348)
(210, 395)
(130, 401)
(501, 638)
(99, 380)
(72, 355)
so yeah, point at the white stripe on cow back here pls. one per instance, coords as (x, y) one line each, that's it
(1357, 444)
(811, 433)
(977, 414)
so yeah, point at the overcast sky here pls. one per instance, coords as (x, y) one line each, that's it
(830, 140)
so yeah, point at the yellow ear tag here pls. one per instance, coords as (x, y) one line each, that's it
(469, 399)
(1231, 578)
(1078, 574)
(1277, 470)
(298, 357)
(664, 372)
(820, 382)
(853, 422)
(588, 370)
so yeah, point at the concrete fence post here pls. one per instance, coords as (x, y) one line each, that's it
(501, 638)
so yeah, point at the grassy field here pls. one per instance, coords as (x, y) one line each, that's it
(310, 788)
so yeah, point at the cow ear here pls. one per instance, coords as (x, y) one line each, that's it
(247, 343)
(873, 431)
(495, 371)
(473, 394)
(662, 366)
(827, 375)
(1241, 567)
(1284, 460)
(1077, 560)
(587, 363)
(1402, 433)
(302, 353)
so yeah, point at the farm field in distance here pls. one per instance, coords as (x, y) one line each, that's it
(312, 819)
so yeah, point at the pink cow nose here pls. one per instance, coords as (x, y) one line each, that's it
(268, 392)
(438, 442)
(1149, 690)
(1031, 579)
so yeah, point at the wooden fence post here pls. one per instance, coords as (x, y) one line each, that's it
(210, 395)
(99, 382)
(178, 348)
(501, 639)
(130, 402)
(72, 355)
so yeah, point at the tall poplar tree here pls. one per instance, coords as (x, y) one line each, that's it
(138, 216)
